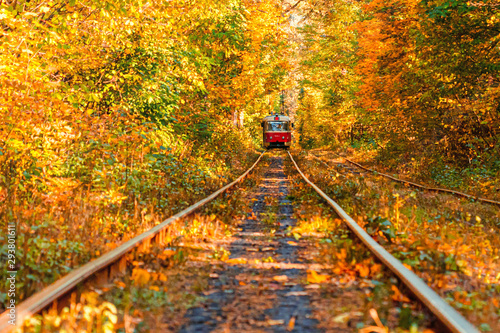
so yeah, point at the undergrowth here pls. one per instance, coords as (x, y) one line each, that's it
(105, 192)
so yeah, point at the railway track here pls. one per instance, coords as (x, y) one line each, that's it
(287, 304)
(413, 184)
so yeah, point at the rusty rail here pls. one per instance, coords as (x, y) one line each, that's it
(109, 264)
(453, 320)
(428, 188)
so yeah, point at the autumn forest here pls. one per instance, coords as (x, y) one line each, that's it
(117, 114)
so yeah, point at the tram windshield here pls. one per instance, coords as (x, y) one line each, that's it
(277, 126)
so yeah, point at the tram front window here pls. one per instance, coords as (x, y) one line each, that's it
(277, 126)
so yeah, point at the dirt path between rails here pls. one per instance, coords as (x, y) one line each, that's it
(261, 287)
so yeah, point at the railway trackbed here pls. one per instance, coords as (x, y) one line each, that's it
(263, 272)
(413, 184)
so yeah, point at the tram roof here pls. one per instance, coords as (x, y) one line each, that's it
(273, 117)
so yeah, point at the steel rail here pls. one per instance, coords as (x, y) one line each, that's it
(61, 287)
(428, 188)
(326, 164)
(453, 320)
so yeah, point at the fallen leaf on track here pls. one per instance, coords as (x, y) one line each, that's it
(280, 278)
(398, 296)
(376, 268)
(120, 284)
(314, 277)
(291, 324)
(111, 246)
(312, 286)
(363, 270)
(380, 328)
(408, 266)
(236, 261)
(373, 329)
(344, 317)
(296, 293)
(167, 253)
(140, 276)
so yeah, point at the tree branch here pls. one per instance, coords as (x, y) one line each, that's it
(293, 7)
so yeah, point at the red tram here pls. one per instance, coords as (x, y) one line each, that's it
(276, 131)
